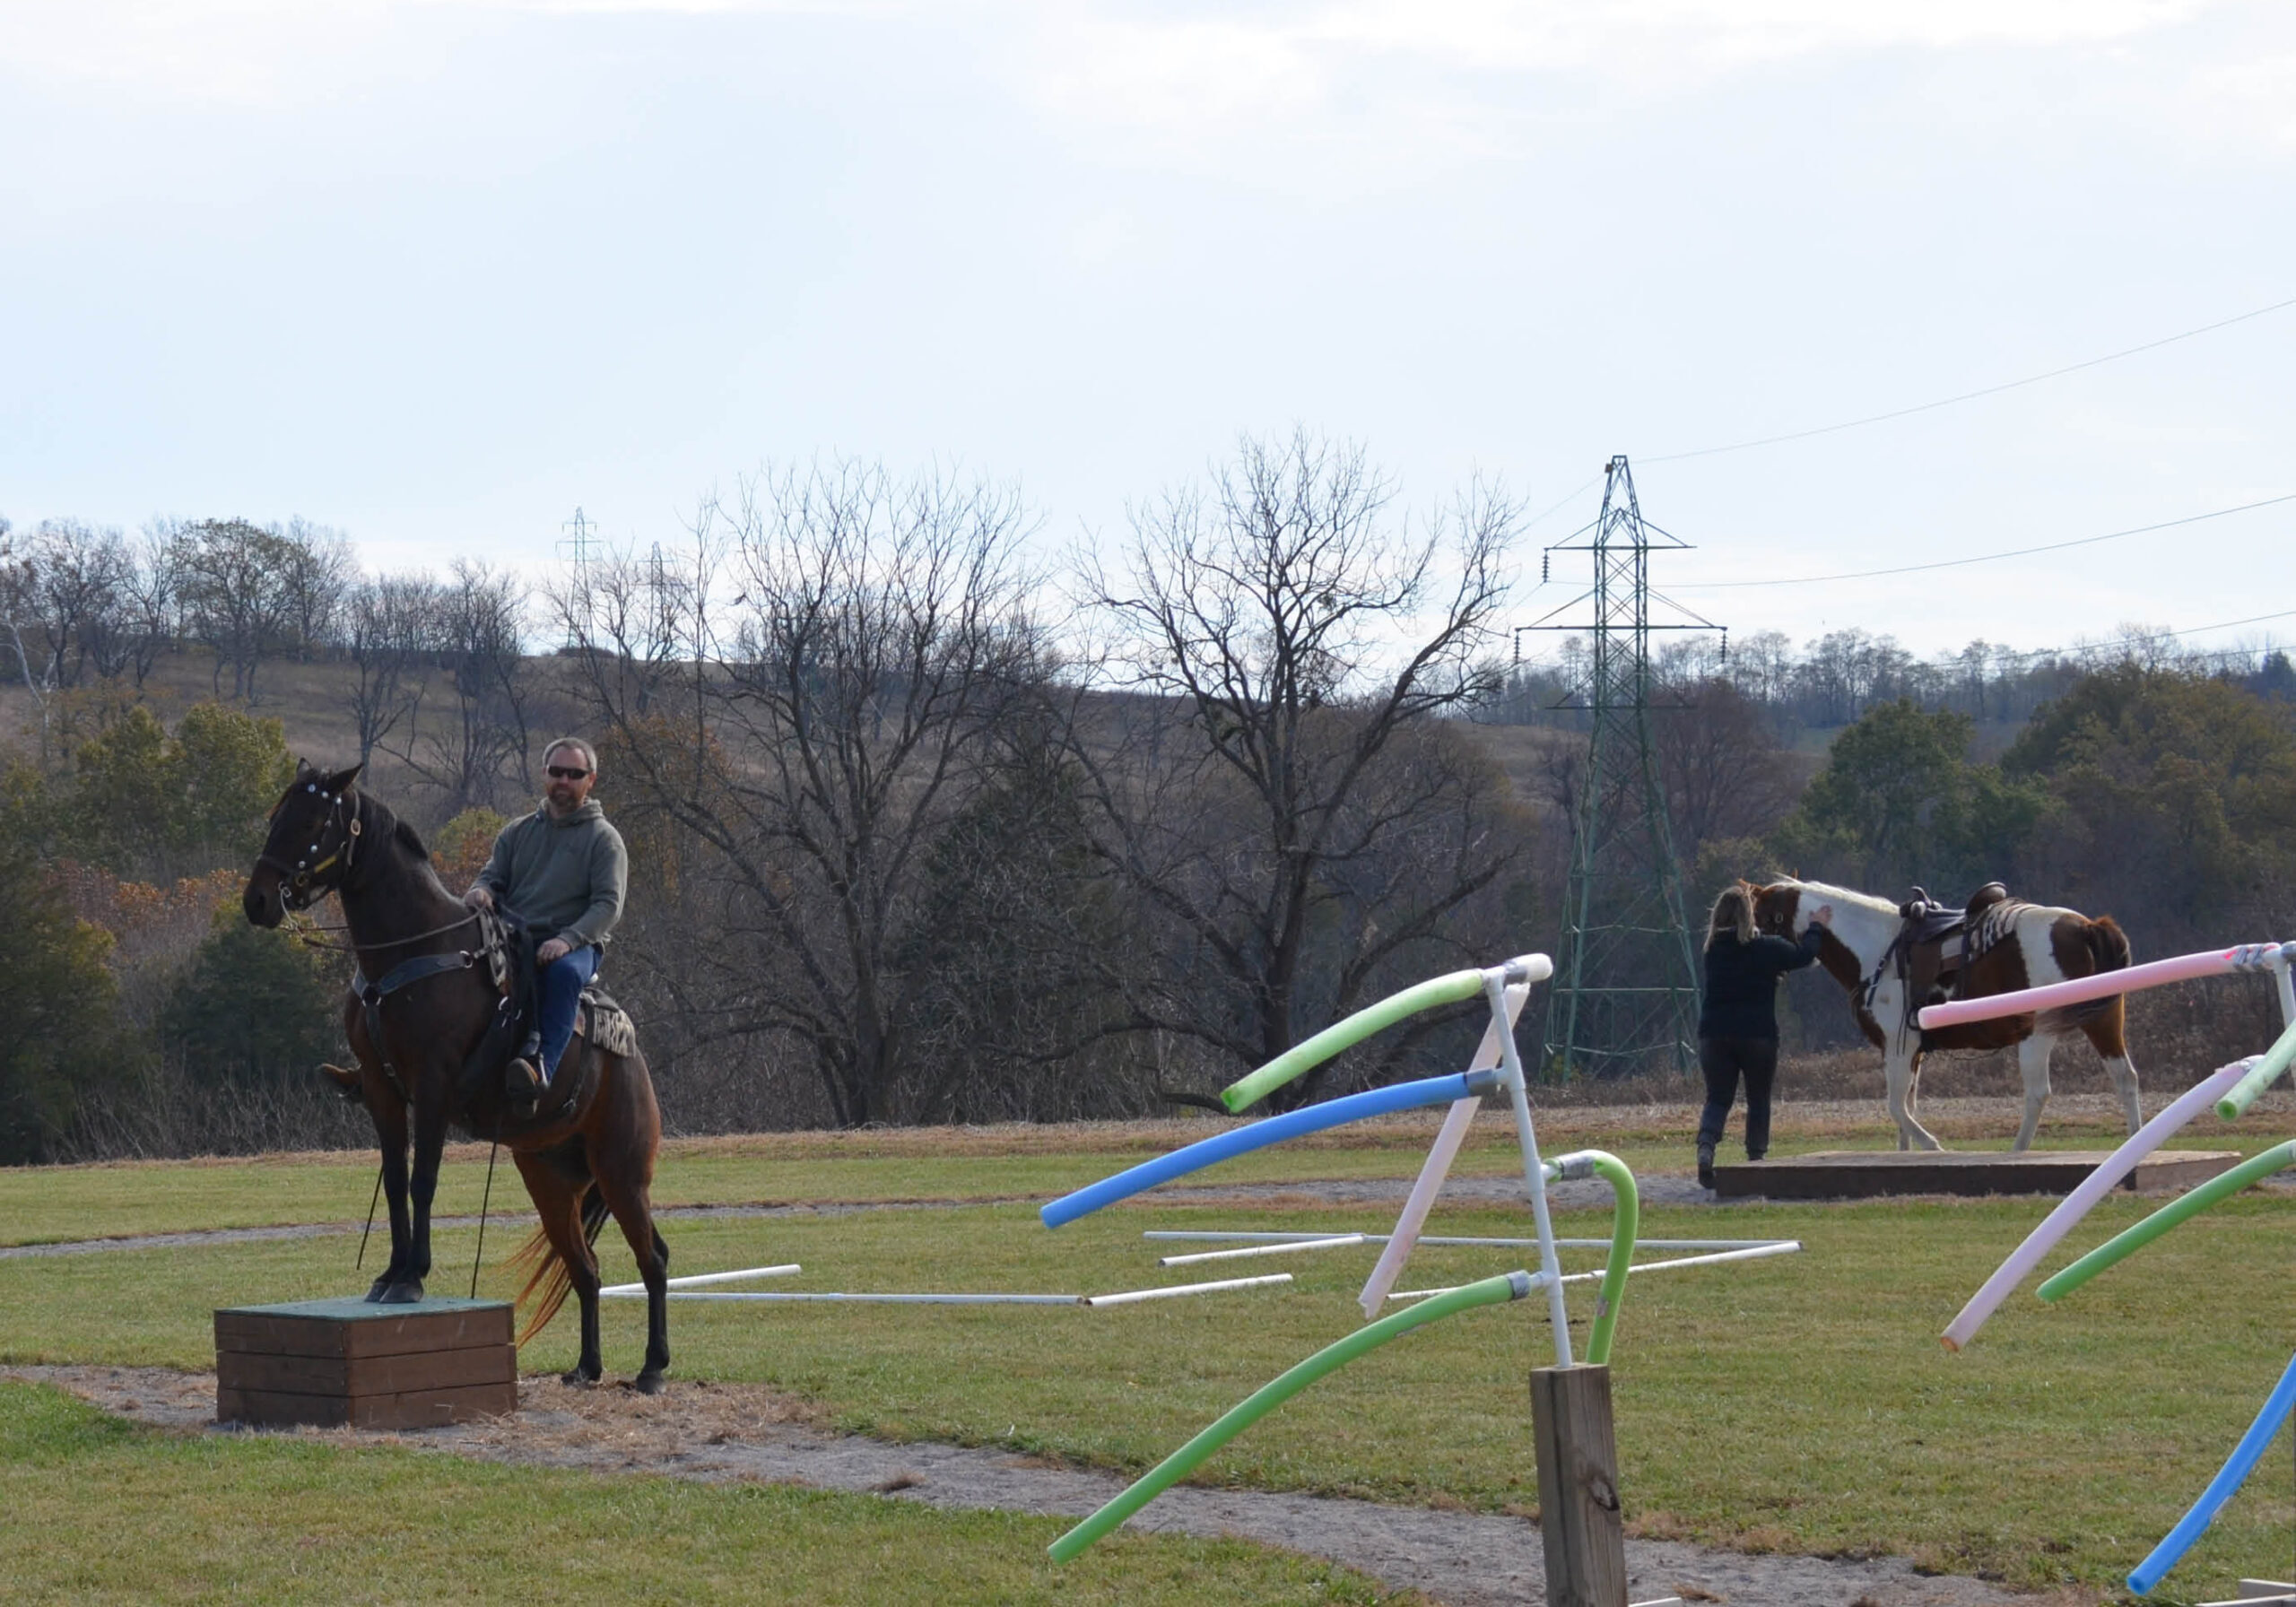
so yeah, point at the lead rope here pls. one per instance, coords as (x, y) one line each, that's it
(359, 1265)
(486, 1195)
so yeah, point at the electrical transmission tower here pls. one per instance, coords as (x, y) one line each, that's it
(1625, 990)
(578, 548)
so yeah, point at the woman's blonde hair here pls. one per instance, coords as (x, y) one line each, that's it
(1734, 912)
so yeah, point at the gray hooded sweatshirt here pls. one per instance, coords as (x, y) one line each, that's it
(565, 878)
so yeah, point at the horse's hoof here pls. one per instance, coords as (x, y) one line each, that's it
(647, 1383)
(378, 1291)
(577, 1379)
(407, 1291)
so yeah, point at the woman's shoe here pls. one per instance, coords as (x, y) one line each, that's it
(1705, 1166)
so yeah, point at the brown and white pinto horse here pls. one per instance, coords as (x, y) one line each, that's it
(2042, 946)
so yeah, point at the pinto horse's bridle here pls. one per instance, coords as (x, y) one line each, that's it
(339, 834)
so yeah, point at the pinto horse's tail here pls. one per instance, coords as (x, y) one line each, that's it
(549, 1280)
(2107, 944)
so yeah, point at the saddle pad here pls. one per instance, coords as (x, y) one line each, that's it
(607, 1025)
(1994, 923)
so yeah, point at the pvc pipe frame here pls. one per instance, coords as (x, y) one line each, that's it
(2222, 1187)
(2103, 985)
(2263, 1075)
(2085, 1194)
(1438, 1164)
(1777, 1247)
(1508, 1286)
(1339, 1241)
(2236, 1467)
(1202, 1236)
(1128, 1297)
(698, 1280)
(1258, 1136)
(1350, 1030)
(1626, 1217)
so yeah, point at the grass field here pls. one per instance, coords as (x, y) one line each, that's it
(1802, 1403)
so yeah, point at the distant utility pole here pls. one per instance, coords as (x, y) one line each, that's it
(1625, 990)
(578, 547)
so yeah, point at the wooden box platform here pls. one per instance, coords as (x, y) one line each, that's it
(1863, 1174)
(347, 1363)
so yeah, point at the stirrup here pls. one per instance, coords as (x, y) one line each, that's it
(525, 1081)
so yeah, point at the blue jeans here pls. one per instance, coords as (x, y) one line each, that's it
(561, 994)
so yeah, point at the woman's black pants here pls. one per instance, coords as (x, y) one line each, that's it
(1725, 1060)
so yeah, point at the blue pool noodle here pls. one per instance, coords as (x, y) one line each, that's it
(2236, 1467)
(1257, 1135)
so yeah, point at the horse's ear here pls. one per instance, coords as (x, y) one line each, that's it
(340, 782)
(305, 771)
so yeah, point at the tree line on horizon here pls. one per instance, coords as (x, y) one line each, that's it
(904, 850)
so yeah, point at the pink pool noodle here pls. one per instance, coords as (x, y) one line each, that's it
(2128, 980)
(2089, 1190)
(1436, 1167)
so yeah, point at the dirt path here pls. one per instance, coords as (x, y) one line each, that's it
(735, 1432)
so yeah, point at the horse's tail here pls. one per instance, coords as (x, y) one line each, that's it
(2107, 944)
(549, 1280)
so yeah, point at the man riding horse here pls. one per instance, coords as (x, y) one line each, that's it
(562, 870)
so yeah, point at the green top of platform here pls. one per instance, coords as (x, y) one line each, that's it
(351, 1308)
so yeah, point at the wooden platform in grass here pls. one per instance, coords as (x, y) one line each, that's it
(347, 1363)
(1864, 1173)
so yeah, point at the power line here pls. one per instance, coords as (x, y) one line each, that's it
(1990, 390)
(1955, 563)
(2125, 642)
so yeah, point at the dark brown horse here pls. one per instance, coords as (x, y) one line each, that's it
(586, 1150)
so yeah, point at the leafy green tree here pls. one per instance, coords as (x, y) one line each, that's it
(144, 802)
(255, 1009)
(57, 998)
(2176, 801)
(1898, 803)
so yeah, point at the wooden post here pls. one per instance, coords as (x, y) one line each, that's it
(1578, 1506)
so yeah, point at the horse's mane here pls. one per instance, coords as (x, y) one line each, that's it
(388, 826)
(1828, 893)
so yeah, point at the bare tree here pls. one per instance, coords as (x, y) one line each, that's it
(478, 636)
(321, 572)
(237, 603)
(1292, 643)
(67, 583)
(391, 626)
(812, 691)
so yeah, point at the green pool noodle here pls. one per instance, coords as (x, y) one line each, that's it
(1349, 1031)
(2128, 1243)
(2261, 1076)
(1489, 1292)
(1626, 1221)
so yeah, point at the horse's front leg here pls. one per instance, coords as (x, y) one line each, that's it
(1900, 1064)
(2032, 1065)
(430, 1144)
(390, 1133)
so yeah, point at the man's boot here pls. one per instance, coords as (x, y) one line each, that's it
(523, 1078)
(1705, 1166)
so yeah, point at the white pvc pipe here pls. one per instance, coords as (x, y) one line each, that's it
(870, 1299)
(2103, 985)
(1285, 1248)
(1439, 1156)
(698, 1279)
(1202, 1236)
(1133, 1296)
(2086, 1194)
(1777, 1246)
(1511, 1059)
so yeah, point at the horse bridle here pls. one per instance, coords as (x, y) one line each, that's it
(299, 882)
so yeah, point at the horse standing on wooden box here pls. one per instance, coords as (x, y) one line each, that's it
(1891, 970)
(423, 1002)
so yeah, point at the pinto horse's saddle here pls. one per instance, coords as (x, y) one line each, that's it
(1937, 944)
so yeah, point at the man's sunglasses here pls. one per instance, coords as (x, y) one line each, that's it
(559, 772)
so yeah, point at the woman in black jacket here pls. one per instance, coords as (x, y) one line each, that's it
(1737, 1022)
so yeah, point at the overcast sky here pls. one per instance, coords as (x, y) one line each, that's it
(436, 274)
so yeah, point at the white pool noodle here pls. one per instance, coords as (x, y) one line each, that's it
(1132, 1296)
(2086, 1194)
(699, 1279)
(1336, 1242)
(1781, 1247)
(1438, 1165)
